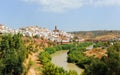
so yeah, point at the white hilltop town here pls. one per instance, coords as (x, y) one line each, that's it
(31, 31)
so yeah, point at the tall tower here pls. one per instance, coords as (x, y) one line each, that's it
(56, 30)
(55, 27)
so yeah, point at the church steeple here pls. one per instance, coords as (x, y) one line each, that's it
(56, 30)
(55, 27)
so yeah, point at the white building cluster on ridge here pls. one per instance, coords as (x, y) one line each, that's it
(55, 35)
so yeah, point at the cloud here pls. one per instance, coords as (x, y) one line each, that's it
(106, 3)
(58, 5)
(66, 5)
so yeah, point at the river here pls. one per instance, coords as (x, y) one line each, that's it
(90, 47)
(59, 58)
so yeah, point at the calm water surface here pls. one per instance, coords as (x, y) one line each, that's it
(60, 59)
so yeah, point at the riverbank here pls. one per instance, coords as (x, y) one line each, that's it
(50, 68)
(59, 58)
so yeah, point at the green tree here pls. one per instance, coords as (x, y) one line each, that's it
(44, 57)
(13, 52)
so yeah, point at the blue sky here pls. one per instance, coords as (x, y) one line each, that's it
(68, 15)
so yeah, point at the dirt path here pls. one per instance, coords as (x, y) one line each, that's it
(35, 68)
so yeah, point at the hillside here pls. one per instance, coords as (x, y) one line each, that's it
(98, 34)
(34, 46)
(39, 32)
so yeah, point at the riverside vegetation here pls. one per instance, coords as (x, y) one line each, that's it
(107, 65)
(51, 69)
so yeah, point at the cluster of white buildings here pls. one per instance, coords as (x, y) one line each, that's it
(53, 35)
(4, 29)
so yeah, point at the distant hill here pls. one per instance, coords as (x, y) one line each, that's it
(98, 34)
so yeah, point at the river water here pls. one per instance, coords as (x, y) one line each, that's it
(60, 59)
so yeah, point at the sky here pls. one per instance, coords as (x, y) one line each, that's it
(67, 15)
